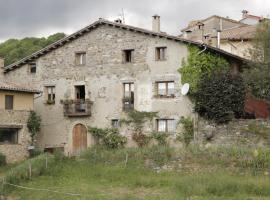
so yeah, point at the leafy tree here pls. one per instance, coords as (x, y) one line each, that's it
(257, 76)
(33, 125)
(220, 96)
(199, 63)
(13, 50)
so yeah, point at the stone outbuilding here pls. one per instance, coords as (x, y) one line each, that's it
(16, 102)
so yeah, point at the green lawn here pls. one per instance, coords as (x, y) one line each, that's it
(104, 175)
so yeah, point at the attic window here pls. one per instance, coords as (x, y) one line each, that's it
(128, 55)
(80, 58)
(161, 53)
(32, 68)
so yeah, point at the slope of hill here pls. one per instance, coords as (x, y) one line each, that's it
(13, 50)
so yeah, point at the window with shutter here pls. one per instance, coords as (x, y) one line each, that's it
(9, 102)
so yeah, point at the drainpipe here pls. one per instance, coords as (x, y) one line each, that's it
(203, 50)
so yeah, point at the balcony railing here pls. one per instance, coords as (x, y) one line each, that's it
(77, 108)
(128, 104)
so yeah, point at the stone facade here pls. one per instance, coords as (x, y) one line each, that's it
(18, 120)
(103, 76)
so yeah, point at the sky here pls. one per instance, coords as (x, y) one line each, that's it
(40, 18)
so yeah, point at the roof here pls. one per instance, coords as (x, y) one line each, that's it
(100, 22)
(194, 23)
(8, 86)
(239, 33)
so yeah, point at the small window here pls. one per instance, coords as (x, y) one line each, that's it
(115, 123)
(50, 91)
(32, 68)
(9, 102)
(80, 58)
(9, 136)
(161, 53)
(165, 89)
(128, 55)
(166, 125)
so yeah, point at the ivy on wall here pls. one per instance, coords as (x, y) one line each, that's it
(199, 63)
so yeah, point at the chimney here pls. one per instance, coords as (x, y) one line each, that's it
(218, 39)
(156, 23)
(244, 14)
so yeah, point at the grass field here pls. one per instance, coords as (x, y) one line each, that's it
(101, 174)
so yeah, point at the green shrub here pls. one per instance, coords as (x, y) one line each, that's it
(111, 138)
(35, 152)
(188, 130)
(2, 159)
(161, 138)
(220, 97)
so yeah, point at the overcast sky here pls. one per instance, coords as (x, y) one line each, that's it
(22, 18)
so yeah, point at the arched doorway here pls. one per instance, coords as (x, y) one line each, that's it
(79, 139)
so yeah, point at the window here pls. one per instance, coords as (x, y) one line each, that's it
(8, 136)
(80, 58)
(161, 53)
(128, 99)
(32, 68)
(115, 123)
(128, 55)
(50, 90)
(165, 89)
(9, 102)
(166, 125)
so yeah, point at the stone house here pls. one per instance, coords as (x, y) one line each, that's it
(92, 77)
(16, 102)
(227, 34)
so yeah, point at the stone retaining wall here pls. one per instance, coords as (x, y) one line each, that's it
(250, 133)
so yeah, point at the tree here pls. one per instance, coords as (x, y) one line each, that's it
(13, 50)
(33, 125)
(220, 96)
(257, 76)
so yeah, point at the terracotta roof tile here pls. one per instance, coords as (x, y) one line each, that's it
(8, 86)
(239, 33)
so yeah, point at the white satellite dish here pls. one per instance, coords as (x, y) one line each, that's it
(185, 89)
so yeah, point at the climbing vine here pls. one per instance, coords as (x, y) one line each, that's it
(33, 125)
(137, 120)
(199, 63)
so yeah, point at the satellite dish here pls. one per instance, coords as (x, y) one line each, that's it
(185, 89)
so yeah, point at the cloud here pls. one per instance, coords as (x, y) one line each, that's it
(21, 18)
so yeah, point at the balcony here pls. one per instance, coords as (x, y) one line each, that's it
(77, 108)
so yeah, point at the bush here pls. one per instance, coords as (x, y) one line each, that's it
(2, 159)
(108, 137)
(33, 125)
(35, 152)
(220, 97)
(188, 129)
(161, 138)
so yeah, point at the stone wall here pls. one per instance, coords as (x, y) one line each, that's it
(16, 152)
(237, 133)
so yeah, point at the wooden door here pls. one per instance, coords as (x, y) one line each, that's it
(79, 139)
